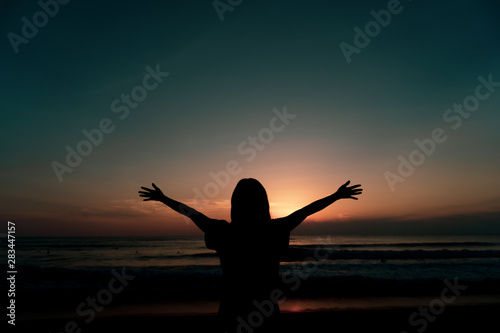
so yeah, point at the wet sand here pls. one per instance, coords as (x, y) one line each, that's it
(479, 314)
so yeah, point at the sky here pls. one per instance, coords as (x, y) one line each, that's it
(99, 98)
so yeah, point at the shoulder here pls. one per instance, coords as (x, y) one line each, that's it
(217, 225)
(281, 222)
(281, 225)
(215, 233)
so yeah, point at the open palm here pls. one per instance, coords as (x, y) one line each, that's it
(155, 194)
(345, 192)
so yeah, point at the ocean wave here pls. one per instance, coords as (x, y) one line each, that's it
(405, 245)
(295, 254)
(201, 281)
(307, 253)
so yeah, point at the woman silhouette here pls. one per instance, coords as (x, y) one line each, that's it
(249, 249)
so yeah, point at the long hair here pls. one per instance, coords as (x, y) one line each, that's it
(249, 203)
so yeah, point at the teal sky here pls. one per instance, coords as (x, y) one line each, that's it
(352, 120)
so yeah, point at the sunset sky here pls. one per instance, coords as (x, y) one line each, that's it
(268, 90)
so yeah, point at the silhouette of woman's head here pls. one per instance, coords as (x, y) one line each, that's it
(249, 202)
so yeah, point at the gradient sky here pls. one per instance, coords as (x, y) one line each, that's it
(352, 120)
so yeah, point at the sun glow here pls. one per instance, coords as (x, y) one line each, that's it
(280, 209)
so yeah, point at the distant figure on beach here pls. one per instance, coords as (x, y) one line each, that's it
(250, 248)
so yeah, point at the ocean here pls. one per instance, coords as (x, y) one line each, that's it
(63, 271)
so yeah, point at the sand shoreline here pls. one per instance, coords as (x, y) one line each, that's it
(291, 305)
(453, 319)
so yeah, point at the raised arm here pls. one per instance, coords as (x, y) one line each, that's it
(344, 192)
(201, 221)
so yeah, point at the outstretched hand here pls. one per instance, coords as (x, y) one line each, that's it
(345, 192)
(150, 194)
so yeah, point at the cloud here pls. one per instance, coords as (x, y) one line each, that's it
(476, 224)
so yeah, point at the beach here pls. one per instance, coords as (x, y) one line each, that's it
(342, 284)
(479, 318)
